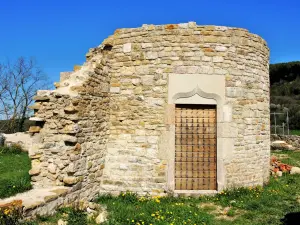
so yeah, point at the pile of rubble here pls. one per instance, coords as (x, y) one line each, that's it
(278, 168)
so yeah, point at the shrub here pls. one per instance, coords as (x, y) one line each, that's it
(77, 217)
(11, 213)
(129, 197)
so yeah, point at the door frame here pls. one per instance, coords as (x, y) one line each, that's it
(189, 89)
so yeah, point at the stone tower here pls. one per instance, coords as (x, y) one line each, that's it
(178, 108)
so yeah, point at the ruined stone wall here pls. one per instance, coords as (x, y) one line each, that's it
(144, 60)
(72, 125)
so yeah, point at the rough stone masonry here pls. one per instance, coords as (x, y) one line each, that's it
(109, 125)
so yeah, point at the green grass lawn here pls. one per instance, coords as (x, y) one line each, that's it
(14, 167)
(243, 206)
(288, 157)
(266, 205)
(295, 132)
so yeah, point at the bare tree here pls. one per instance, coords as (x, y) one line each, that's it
(19, 82)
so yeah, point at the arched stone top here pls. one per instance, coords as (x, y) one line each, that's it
(198, 88)
(216, 99)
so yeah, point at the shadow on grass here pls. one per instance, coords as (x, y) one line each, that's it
(291, 219)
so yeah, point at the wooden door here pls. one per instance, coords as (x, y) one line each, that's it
(195, 147)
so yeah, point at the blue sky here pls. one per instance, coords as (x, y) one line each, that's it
(58, 33)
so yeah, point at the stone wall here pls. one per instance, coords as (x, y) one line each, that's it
(73, 128)
(293, 140)
(108, 125)
(23, 139)
(144, 60)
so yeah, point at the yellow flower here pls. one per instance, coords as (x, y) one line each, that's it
(6, 211)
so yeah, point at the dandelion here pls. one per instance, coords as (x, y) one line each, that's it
(6, 211)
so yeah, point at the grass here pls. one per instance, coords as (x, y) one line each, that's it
(251, 206)
(14, 167)
(295, 132)
(242, 206)
(288, 157)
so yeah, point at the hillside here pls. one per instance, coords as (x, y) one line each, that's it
(285, 90)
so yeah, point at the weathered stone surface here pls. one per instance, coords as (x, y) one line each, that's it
(71, 168)
(151, 55)
(101, 218)
(42, 201)
(34, 129)
(127, 47)
(115, 89)
(52, 168)
(295, 170)
(221, 48)
(292, 140)
(70, 180)
(36, 119)
(70, 109)
(279, 173)
(57, 84)
(62, 222)
(70, 129)
(281, 145)
(41, 98)
(35, 106)
(35, 171)
(76, 68)
(77, 147)
(65, 76)
(69, 138)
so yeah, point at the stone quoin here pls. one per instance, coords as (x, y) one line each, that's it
(119, 122)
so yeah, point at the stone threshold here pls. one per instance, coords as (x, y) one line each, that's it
(194, 193)
(37, 198)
